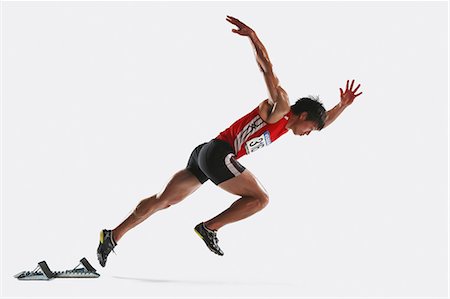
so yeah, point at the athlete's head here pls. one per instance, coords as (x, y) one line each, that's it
(308, 114)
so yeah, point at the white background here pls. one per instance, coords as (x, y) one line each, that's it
(103, 102)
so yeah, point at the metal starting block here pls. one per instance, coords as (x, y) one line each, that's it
(43, 272)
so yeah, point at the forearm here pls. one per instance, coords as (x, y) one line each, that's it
(334, 113)
(262, 57)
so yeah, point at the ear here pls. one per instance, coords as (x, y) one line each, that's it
(303, 116)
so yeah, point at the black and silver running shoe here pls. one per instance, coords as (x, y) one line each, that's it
(105, 247)
(209, 237)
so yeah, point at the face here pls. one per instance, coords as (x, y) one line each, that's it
(300, 126)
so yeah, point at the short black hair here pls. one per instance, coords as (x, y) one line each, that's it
(314, 108)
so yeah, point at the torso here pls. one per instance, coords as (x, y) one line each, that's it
(251, 132)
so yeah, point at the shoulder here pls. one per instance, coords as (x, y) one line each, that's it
(272, 113)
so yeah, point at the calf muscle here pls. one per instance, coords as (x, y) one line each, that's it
(180, 186)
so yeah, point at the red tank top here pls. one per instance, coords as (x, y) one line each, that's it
(251, 132)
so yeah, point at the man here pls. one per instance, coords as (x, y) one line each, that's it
(217, 159)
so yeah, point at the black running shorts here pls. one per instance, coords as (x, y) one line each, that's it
(214, 160)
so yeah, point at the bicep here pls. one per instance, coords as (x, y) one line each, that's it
(276, 92)
(277, 104)
(272, 84)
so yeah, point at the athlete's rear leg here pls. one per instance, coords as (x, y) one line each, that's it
(181, 185)
(253, 199)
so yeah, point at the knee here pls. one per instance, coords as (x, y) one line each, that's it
(165, 201)
(263, 200)
(150, 205)
(162, 201)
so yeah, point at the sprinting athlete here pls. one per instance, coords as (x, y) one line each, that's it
(216, 160)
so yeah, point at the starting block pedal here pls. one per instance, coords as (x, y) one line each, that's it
(87, 272)
(43, 272)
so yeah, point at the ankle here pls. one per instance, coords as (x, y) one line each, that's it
(210, 227)
(114, 237)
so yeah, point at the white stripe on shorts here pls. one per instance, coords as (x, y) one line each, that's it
(230, 165)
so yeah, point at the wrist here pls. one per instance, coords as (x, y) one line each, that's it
(342, 105)
(252, 35)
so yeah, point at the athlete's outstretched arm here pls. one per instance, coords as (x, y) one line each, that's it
(277, 104)
(347, 98)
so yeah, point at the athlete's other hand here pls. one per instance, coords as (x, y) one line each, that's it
(242, 28)
(349, 95)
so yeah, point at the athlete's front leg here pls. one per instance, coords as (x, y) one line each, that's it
(253, 199)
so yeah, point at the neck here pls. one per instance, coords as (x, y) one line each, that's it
(291, 120)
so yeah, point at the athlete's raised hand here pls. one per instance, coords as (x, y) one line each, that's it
(349, 95)
(242, 28)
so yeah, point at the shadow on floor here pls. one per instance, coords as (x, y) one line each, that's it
(205, 282)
